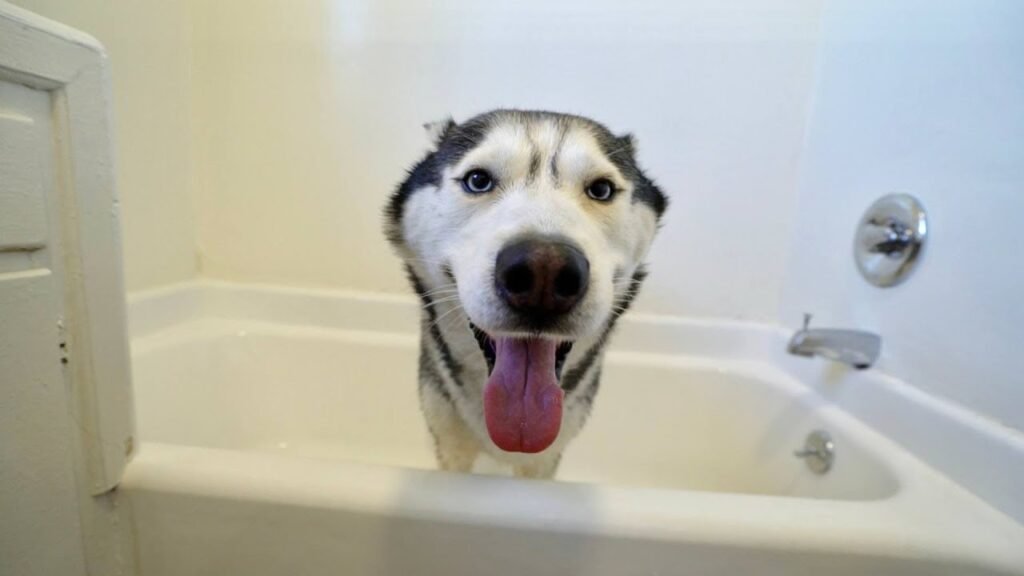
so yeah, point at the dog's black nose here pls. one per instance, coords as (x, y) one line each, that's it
(541, 276)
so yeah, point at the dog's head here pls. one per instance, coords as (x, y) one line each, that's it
(538, 224)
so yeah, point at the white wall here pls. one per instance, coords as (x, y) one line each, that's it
(270, 133)
(149, 48)
(925, 98)
(308, 113)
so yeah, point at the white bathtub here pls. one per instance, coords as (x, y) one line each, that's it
(280, 434)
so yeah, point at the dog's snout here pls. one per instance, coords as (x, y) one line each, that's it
(541, 276)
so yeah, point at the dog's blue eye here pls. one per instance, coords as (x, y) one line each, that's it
(478, 181)
(601, 190)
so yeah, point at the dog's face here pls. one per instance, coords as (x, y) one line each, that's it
(536, 222)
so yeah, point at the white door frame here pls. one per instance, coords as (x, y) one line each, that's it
(74, 68)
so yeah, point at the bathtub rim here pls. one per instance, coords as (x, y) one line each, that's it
(902, 527)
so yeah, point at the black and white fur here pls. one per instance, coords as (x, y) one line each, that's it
(449, 239)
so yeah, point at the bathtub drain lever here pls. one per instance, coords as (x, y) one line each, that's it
(818, 452)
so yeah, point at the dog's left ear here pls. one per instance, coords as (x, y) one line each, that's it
(626, 145)
(437, 131)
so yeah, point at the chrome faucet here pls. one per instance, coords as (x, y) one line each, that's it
(853, 347)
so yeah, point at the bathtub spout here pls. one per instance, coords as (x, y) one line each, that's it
(853, 347)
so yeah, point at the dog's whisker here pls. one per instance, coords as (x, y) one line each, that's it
(454, 321)
(426, 260)
(453, 304)
(444, 290)
(436, 295)
(438, 302)
(443, 316)
(443, 298)
(440, 289)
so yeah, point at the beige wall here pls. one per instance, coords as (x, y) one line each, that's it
(307, 114)
(149, 47)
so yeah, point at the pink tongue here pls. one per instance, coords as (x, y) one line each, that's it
(522, 400)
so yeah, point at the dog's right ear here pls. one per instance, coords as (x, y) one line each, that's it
(437, 131)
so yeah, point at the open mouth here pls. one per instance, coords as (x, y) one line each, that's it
(522, 398)
(487, 346)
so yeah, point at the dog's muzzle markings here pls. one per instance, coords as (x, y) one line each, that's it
(524, 234)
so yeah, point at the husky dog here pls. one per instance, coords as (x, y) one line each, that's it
(524, 234)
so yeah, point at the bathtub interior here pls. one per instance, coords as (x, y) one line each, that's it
(333, 392)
